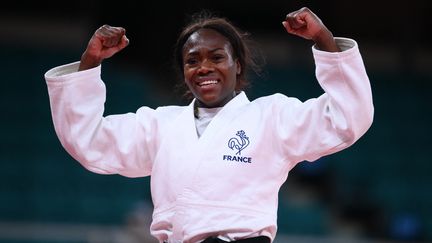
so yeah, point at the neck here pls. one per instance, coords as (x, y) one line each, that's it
(200, 104)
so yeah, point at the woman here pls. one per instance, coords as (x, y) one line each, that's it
(218, 163)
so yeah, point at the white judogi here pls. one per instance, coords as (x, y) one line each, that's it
(226, 181)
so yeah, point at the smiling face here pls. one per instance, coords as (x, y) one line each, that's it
(209, 68)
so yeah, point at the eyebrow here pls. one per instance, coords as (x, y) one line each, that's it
(193, 53)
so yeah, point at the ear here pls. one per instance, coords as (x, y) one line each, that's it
(239, 68)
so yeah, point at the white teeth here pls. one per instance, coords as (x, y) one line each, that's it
(208, 82)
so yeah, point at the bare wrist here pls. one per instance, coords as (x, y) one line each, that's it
(88, 62)
(325, 41)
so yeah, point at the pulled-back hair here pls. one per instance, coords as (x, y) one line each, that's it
(239, 40)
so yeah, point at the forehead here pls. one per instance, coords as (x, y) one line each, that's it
(205, 39)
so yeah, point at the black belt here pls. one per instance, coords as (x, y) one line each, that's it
(259, 239)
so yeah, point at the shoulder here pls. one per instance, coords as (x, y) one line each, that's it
(275, 100)
(170, 110)
(161, 114)
(163, 111)
(273, 105)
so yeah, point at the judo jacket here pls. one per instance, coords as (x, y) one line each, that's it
(225, 182)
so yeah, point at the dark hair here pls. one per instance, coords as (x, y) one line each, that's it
(239, 40)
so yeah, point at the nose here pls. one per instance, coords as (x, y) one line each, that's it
(205, 67)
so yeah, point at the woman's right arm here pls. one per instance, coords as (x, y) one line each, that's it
(116, 144)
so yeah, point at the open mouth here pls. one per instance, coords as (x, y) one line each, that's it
(207, 82)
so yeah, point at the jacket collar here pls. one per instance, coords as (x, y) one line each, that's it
(239, 100)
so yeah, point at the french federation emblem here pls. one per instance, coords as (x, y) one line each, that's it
(238, 143)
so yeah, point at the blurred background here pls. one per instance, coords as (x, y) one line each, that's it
(378, 190)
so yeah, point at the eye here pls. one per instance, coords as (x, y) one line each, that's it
(218, 57)
(190, 61)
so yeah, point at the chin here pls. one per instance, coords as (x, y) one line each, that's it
(208, 100)
(210, 103)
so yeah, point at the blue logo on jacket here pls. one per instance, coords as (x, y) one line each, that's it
(238, 144)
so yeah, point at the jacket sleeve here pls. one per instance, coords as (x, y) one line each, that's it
(115, 144)
(336, 119)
